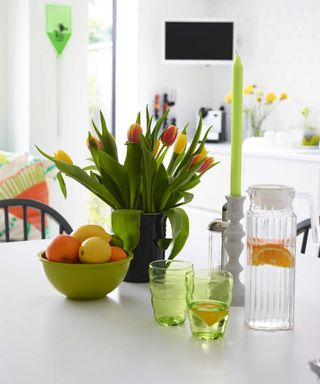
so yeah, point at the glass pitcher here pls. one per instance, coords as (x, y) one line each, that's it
(271, 249)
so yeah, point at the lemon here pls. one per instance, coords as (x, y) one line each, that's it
(63, 156)
(90, 230)
(95, 250)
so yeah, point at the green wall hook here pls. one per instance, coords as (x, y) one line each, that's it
(59, 27)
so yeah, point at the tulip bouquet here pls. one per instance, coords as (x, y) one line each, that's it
(142, 184)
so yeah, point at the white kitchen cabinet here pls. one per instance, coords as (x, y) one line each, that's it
(196, 248)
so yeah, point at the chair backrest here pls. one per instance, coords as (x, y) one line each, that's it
(303, 228)
(44, 210)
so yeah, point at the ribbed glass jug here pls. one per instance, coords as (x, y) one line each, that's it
(270, 265)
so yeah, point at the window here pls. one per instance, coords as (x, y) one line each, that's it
(101, 60)
(101, 82)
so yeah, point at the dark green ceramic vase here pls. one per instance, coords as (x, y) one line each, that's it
(152, 228)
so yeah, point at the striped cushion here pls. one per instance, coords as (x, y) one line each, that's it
(24, 176)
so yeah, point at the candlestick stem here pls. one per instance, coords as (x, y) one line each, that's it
(234, 246)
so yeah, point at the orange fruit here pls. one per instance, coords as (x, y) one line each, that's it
(117, 253)
(273, 254)
(210, 313)
(63, 249)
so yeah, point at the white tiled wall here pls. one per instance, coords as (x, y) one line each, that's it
(278, 41)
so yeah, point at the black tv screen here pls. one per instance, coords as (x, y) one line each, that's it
(198, 41)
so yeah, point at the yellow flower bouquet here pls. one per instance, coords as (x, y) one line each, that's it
(258, 107)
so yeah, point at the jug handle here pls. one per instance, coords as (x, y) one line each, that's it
(314, 215)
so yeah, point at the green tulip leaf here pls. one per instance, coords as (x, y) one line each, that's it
(164, 244)
(110, 146)
(157, 127)
(148, 122)
(179, 198)
(117, 173)
(113, 188)
(178, 182)
(201, 146)
(116, 241)
(160, 184)
(94, 150)
(195, 180)
(149, 169)
(191, 149)
(162, 156)
(138, 119)
(126, 225)
(62, 184)
(132, 166)
(96, 130)
(89, 168)
(180, 230)
(95, 177)
(83, 178)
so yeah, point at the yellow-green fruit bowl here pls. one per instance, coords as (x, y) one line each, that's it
(85, 281)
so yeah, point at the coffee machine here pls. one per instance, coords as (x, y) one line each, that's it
(216, 119)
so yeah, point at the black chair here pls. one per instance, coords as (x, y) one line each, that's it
(303, 228)
(44, 210)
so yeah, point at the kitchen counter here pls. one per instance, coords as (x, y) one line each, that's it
(300, 154)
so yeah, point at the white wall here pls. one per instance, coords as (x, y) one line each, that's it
(126, 68)
(18, 50)
(278, 44)
(32, 80)
(195, 85)
(73, 80)
(277, 41)
(3, 75)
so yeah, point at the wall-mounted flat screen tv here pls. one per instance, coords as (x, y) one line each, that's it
(198, 42)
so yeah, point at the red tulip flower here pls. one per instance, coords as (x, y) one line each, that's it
(134, 133)
(207, 163)
(169, 135)
(98, 142)
(196, 159)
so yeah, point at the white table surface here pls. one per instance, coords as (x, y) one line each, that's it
(48, 339)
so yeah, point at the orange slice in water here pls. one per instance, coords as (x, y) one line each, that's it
(210, 313)
(272, 254)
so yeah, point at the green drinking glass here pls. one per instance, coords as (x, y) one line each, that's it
(209, 294)
(168, 290)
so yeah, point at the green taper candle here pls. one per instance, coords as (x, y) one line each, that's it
(236, 128)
